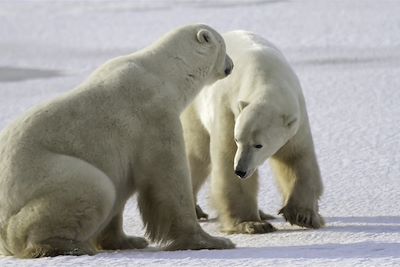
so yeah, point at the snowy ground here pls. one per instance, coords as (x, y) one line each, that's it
(347, 55)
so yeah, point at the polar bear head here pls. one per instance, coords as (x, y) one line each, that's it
(198, 51)
(260, 131)
(211, 42)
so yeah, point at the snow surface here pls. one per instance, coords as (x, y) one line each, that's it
(347, 55)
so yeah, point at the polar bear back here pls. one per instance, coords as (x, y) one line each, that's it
(261, 72)
(240, 42)
(251, 52)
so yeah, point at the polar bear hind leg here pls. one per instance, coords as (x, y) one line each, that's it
(67, 213)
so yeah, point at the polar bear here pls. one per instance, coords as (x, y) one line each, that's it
(234, 125)
(67, 167)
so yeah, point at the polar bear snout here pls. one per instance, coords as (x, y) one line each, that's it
(228, 65)
(240, 173)
(228, 71)
(243, 166)
(244, 174)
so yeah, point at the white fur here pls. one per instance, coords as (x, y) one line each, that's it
(261, 103)
(67, 167)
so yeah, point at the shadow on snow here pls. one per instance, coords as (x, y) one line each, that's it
(367, 249)
(13, 74)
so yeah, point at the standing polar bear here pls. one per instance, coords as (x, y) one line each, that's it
(68, 167)
(233, 126)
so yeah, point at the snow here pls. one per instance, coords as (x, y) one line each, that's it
(347, 56)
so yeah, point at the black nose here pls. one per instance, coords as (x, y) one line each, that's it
(241, 174)
(228, 71)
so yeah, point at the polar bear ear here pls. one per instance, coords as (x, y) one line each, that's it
(204, 36)
(289, 120)
(242, 105)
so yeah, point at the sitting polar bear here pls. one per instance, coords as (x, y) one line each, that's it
(234, 125)
(68, 167)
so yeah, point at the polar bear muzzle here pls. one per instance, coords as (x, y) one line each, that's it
(228, 65)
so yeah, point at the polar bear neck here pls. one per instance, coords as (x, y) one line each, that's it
(183, 78)
(170, 72)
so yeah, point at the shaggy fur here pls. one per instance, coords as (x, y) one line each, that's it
(236, 124)
(67, 167)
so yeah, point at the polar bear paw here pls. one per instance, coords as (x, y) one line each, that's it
(56, 246)
(126, 242)
(133, 242)
(251, 227)
(302, 217)
(200, 241)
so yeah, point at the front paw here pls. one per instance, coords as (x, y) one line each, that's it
(251, 227)
(302, 217)
(126, 242)
(200, 241)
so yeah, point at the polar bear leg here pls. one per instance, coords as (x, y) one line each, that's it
(113, 237)
(235, 199)
(166, 201)
(168, 212)
(68, 210)
(301, 186)
(197, 142)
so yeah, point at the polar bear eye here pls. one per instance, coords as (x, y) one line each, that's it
(258, 146)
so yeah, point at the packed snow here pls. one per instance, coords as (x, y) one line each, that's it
(347, 56)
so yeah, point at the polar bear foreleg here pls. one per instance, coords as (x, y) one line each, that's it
(166, 201)
(235, 199)
(301, 186)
